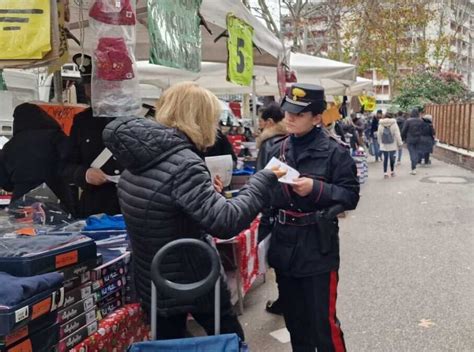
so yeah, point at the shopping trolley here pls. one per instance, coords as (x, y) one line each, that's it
(216, 343)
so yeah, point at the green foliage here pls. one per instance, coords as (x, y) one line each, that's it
(429, 86)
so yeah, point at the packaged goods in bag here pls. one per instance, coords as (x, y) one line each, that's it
(113, 61)
(115, 12)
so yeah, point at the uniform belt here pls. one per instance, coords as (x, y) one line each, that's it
(287, 217)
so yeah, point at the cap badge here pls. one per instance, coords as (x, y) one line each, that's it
(298, 93)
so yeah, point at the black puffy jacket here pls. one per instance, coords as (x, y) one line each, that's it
(165, 194)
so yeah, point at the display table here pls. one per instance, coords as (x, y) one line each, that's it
(240, 260)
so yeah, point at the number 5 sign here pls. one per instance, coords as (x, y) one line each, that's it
(240, 50)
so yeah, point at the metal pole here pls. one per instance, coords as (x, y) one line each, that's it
(153, 311)
(58, 87)
(217, 307)
(254, 102)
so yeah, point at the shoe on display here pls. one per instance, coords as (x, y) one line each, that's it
(274, 307)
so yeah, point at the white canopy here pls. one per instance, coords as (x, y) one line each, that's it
(360, 86)
(334, 76)
(214, 12)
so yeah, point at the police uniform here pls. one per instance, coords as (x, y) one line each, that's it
(304, 247)
(85, 145)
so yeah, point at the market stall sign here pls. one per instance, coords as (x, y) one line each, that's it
(175, 34)
(331, 114)
(240, 51)
(368, 102)
(63, 114)
(25, 29)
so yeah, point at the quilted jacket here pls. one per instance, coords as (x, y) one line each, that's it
(166, 193)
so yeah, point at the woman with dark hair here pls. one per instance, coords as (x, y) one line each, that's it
(272, 126)
(411, 134)
(33, 154)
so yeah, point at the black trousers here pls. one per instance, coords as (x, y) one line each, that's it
(309, 309)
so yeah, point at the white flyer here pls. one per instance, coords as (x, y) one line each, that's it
(221, 166)
(290, 175)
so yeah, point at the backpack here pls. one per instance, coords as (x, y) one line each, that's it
(387, 137)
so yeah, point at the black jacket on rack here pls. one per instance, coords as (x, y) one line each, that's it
(32, 156)
(166, 193)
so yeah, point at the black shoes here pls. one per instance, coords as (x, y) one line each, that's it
(274, 307)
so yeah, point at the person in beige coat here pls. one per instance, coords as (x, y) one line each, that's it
(390, 141)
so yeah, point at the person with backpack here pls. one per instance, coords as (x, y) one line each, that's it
(390, 140)
(411, 134)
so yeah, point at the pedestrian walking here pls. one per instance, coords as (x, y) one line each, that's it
(400, 122)
(373, 135)
(411, 134)
(427, 139)
(304, 247)
(390, 141)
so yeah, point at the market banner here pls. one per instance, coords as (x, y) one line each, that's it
(175, 33)
(240, 51)
(368, 102)
(25, 29)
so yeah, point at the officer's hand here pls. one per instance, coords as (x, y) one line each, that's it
(279, 172)
(95, 177)
(303, 186)
(218, 185)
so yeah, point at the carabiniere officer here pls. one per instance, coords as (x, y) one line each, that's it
(304, 247)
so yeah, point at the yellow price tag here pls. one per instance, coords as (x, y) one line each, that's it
(25, 29)
(240, 51)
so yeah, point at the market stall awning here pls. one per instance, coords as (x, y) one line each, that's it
(309, 68)
(270, 48)
(362, 85)
(334, 76)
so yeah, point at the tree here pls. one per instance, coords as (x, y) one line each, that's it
(431, 86)
(393, 37)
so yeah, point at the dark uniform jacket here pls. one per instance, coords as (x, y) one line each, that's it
(85, 144)
(294, 250)
(166, 193)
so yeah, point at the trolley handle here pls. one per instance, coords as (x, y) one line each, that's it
(191, 290)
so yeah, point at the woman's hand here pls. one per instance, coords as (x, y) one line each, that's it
(279, 172)
(218, 185)
(303, 186)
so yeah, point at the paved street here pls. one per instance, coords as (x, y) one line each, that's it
(406, 280)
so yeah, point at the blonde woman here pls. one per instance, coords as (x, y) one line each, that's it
(166, 193)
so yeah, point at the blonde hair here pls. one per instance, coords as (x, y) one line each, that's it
(191, 109)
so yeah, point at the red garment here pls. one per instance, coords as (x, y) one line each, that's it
(112, 60)
(103, 11)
